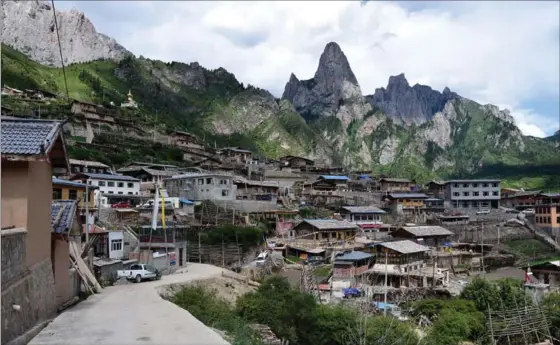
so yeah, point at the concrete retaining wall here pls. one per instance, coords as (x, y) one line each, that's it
(32, 289)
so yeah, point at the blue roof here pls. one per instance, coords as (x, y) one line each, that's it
(353, 256)
(28, 136)
(334, 177)
(186, 202)
(62, 215)
(69, 183)
(365, 177)
(110, 177)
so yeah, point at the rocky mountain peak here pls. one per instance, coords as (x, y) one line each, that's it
(409, 105)
(334, 67)
(29, 27)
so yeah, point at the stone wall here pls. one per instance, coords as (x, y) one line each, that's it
(32, 289)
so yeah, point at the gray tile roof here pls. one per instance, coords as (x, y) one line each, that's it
(405, 247)
(28, 136)
(363, 209)
(63, 213)
(109, 177)
(330, 224)
(353, 256)
(408, 195)
(427, 230)
(473, 181)
(92, 164)
(58, 181)
(390, 179)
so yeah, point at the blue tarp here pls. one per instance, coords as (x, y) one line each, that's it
(381, 305)
(186, 202)
(335, 177)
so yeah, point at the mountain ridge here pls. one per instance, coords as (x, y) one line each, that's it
(410, 131)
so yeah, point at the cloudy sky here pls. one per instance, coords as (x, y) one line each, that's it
(504, 53)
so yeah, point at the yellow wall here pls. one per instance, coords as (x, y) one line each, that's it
(81, 194)
(411, 203)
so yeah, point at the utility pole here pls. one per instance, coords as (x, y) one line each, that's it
(155, 123)
(385, 292)
(87, 208)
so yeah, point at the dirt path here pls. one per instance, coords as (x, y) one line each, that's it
(133, 314)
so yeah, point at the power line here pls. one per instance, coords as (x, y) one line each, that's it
(60, 49)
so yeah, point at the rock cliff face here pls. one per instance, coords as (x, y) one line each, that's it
(409, 105)
(333, 91)
(29, 27)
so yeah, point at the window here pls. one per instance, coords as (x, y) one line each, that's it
(120, 192)
(111, 184)
(130, 185)
(57, 194)
(475, 193)
(558, 219)
(484, 193)
(225, 192)
(111, 192)
(485, 185)
(475, 185)
(456, 194)
(455, 185)
(72, 194)
(101, 184)
(200, 181)
(116, 244)
(495, 193)
(465, 185)
(209, 180)
(494, 185)
(76, 169)
(120, 184)
(130, 193)
(466, 193)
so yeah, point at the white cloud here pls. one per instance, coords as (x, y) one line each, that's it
(492, 52)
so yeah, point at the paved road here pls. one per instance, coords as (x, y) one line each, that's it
(133, 314)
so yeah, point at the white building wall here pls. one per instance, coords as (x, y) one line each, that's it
(116, 245)
(117, 187)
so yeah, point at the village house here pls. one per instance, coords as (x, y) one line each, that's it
(110, 184)
(547, 218)
(520, 200)
(324, 230)
(295, 162)
(388, 185)
(436, 188)
(210, 163)
(235, 154)
(72, 190)
(202, 186)
(82, 166)
(427, 235)
(434, 205)
(148, 174)
(473, 194)
(347, 266)
(66, 228)
(39, 94)
(406, 202)
(154, 243)
(326, 185)
(184, 140)
(547, 272)
(405, 263)
(263, 192)
(10, 91)
(368, 218)
(93, 112)
(32, 151)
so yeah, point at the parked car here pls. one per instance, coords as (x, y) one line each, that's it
(483, 212)
(261, 258)
(529, 211)
(122, 204)
(150, 204)
(353, 292)
(139, 273)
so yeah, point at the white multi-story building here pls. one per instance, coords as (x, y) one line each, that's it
(202, 186)
(111, 184)
(473, 194)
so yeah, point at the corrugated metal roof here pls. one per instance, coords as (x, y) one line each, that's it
(405, 247)
(92, 164)
(353, 256)
(328, 224)
(110, 177)
(363, 209)
(334, 177)
(62, 215)
(473, 181)
(427, 230)
(551, 195)
(408, 195)
(27, 136)
(69, 183)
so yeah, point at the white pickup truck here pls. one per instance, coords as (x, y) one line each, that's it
(138, 273)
